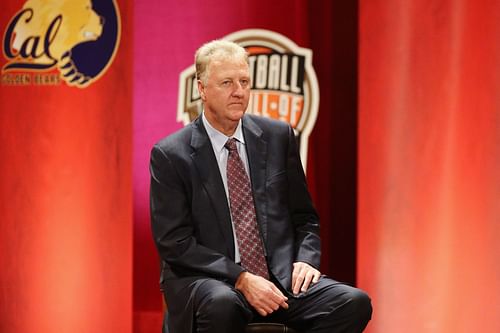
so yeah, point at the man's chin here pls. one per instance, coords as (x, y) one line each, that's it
(236, 114)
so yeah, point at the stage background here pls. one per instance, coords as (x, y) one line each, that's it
(166, 45)
(408, 89)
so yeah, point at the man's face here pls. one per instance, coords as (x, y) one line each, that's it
(226, 93)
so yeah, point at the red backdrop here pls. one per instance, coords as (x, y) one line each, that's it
(413, 158)
(429, 165)
(166, 45)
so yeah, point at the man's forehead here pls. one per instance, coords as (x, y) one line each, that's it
(225, 66)
(229, 62)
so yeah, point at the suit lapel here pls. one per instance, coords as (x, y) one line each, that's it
(208, 169)
(256, 152)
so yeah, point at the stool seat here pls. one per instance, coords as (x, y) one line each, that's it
(268, 328)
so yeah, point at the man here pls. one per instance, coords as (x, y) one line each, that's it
(233, 220)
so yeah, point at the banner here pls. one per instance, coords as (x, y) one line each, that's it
(65, 187)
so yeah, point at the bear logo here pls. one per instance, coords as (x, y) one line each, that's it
(64, 34)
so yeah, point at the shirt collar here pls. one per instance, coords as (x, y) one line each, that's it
(218, 138)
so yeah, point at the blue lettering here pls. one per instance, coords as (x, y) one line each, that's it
(30, 46)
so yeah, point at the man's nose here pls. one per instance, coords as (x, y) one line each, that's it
(238, 89)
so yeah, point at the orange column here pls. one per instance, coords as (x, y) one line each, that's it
(65, 200)
(429, 165)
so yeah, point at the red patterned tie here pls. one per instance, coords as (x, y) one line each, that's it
(243, 213)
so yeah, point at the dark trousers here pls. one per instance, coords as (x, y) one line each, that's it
(328, 306)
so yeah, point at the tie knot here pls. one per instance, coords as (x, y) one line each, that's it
(231, 145)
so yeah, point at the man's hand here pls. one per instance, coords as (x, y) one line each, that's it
(262, 294)
(302, 276)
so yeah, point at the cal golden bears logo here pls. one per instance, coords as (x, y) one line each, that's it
(284, 84)
(50, 41)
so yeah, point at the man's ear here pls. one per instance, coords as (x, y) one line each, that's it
(201, 90)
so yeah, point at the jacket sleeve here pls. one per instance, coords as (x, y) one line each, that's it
(172, 225)
(303, 214)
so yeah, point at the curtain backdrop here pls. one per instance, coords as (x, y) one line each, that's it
(66, 200)
(74, 171)
(407, 143)
(429, 165)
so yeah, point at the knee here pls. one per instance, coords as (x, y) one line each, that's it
(361, 305)
(222, 306)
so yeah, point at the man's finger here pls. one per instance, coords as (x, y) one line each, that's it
(297, 284)
(279, 298)
(269, 306)
(262, 312)
(307, 282)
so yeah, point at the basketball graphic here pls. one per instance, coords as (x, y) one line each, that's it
(283, 81)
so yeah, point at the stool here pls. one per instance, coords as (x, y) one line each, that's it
(268, 328)
(251, 328)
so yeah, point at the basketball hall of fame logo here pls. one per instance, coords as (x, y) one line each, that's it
(52, 41)
(283, 81)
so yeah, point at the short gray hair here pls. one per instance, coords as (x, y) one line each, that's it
(216, 50)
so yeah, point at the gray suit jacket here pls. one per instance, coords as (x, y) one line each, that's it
(190, 216)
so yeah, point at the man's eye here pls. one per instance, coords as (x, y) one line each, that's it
(226, 83)
(244, 83)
